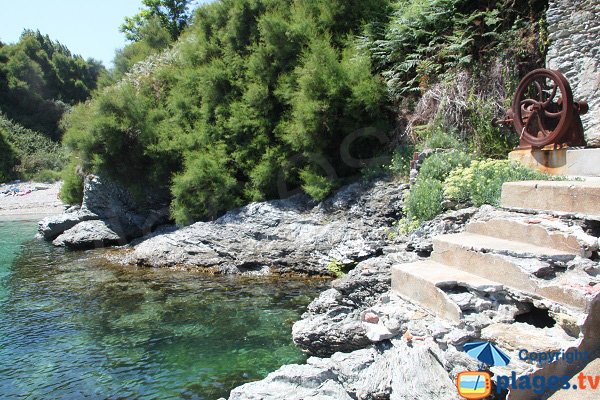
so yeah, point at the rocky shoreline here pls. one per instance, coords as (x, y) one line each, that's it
(365, 341)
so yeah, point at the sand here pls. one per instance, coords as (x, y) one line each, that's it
(40, 202)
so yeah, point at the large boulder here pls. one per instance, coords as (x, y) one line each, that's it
(89, 235)
(336, 320)
(108, 215)
(51, 227)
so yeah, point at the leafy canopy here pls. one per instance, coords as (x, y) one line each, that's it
(263, 98)
(173, 16)
(40, 79)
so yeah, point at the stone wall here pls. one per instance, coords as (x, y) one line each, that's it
(574, 28)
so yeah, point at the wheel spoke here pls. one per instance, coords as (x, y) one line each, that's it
(554, 89)
(540, 91)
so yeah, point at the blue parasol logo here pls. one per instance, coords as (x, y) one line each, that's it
(487, 353)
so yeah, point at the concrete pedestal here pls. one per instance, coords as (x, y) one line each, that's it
(574, 162)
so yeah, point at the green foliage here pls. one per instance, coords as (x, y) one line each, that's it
(424, 40)
(7, 158)
(487, 140)
(316, 186)
(46, 176)
(40, 79)
(337, 268)
(481, 182)
(400, 161)
(263, 97)
(172, 15)
(439, 165)
(424, 201)
(205, 189)
(32, 151)
(71, 191)
(152, 37)
(434, 136)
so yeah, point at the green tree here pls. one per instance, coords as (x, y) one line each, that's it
(40, 79)
(172, 14)
(265, 97)
(152, 37)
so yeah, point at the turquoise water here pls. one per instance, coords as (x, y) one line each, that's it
(73, 326)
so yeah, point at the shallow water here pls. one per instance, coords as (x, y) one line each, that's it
(73, 326)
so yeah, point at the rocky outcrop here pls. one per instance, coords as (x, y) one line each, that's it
(107, 216)
(421, 240)
(335, 320)
(290, 235)
(574, 28)
(392, 370)
(375, 344)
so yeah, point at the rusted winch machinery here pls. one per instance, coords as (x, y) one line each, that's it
(543, 112)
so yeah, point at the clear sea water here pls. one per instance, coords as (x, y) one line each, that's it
(73, 326)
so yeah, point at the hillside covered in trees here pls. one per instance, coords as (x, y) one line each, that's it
(40, 80)
(261, 98)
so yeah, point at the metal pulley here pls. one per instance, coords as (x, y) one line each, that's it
(543, 112)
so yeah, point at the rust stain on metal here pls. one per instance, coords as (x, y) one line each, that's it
(544, 113)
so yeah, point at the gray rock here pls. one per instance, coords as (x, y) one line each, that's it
(294, 382)
(420, 240)
(89, 235)
(119, 217)
(51, 227)
(291, 235)
(393, 371)
(334, 321)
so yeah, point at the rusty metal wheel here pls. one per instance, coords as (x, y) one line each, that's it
(543, 107)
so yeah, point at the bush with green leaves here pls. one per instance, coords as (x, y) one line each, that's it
(481, 182)
(424, 200)
(7, 159)
(439, 165)
(426, 41)
(32, 151)
(262, 95)
(71, 191)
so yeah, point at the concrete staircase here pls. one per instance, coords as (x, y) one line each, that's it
(527, 253)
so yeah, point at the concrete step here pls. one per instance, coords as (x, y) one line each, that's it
(573, 197)
(539, 231)
(512, 264)
(421, 282)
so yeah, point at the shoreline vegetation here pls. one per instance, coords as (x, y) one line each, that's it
(256, 137)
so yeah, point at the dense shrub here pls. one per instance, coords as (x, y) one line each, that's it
(206, 188)
(439, 165)
(32, 151)
(7, 158)
(481, 182)
(428, 41)
(263, 95)
(71, 191)
(424, 201)
(453, 176)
